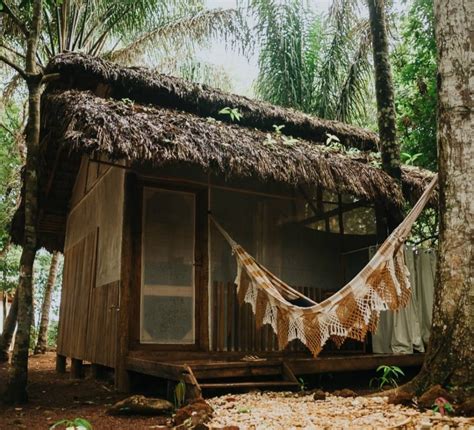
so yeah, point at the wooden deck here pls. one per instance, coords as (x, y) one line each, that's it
(276, 371)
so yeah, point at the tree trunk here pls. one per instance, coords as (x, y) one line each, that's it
(4, 307)
(16, 387)
(8, 330)
(450, 355)
(41, 343)
(389, 148)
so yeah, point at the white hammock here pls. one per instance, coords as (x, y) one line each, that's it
(382, 284)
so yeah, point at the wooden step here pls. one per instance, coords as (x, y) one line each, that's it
(237, 370)
(250, 384)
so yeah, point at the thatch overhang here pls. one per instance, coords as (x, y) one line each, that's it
(78, 121)
(145, 86)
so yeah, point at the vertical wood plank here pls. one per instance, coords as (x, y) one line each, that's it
(122, 377)
(214, 316)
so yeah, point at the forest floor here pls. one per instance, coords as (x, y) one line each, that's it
(54, 397)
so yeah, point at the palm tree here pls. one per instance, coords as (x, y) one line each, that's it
(313, 63)
(33, 31)
(125, 31)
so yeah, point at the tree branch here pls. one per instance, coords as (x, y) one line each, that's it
(20, 24)
(19, 70)
(49, 78)
(13, 51)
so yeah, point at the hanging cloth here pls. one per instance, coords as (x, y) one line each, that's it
(349, 313)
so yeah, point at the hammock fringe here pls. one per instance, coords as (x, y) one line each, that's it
(351, 312)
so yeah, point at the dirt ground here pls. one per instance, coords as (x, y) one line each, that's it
(54, 397)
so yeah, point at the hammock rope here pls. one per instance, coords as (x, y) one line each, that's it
(383, 284)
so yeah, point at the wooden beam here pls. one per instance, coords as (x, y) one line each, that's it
(174, 372)
(98, 371)
(345, 207)
(60, 363)
(353, 363)
(77, 369)
(122, 377)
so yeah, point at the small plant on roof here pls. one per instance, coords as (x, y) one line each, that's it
(286, 140)
(289, 140)
(442, 406)
(389, 376)
(278, 129)
(233, 113)
(333, 143)
(75, 424)
(269, 140)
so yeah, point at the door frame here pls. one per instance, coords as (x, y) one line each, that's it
(201, 312)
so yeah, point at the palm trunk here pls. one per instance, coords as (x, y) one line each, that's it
(18, 373)
(8, 330)
(389, 148)
(16, 389)
(449, 359)
(45, 308)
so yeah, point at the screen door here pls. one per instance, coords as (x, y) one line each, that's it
(168, 245)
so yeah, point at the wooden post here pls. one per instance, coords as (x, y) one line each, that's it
(97, 371)
(77, 370)
(60, 363)
(202, 275)
(122, 377)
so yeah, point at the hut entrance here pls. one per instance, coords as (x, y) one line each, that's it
(168, 290)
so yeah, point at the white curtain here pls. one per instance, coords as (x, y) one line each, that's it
(408, 329)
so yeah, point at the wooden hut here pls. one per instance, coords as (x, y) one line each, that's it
(132, 164)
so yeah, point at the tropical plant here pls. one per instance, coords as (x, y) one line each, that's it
(317, 64)
(233, 113)
(409, 159)
(389, 376)
(442, 406)
(303, 385)
(125, 31)
(414, 65)
(74, 424)
(179, 394)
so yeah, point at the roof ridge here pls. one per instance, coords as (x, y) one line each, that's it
(145, 86)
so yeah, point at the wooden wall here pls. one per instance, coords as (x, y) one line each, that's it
(92, 261)
(234, 329)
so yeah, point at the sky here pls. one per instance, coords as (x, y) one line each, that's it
(242, 71)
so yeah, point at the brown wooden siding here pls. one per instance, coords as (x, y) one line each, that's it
(234, 328)
(87, 324)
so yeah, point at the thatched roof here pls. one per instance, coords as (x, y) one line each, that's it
(147, 87)
(98, 108)
(163, 136)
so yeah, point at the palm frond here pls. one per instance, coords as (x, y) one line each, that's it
(352, 99)
(177, 31)
(318, 64)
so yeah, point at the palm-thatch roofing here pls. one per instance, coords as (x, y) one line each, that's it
(99, 108)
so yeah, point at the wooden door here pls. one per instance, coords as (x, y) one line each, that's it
(171, 266)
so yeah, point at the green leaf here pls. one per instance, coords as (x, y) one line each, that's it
(81, 422)
(60, 422)
(224, 111)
